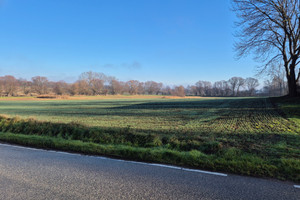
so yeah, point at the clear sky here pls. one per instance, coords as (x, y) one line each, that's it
(169, 41)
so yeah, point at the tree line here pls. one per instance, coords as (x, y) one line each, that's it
(94, 83)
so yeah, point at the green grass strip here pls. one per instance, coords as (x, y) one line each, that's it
(232, 161)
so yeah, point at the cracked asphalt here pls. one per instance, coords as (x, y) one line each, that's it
(39, 174)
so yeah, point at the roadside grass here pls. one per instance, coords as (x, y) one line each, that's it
(249, 136)
(232, 160)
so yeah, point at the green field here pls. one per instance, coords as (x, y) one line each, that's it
(185, 116)
(253, 136)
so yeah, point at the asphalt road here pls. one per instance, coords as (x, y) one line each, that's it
(38, 174)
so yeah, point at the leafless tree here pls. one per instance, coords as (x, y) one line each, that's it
(60, 87)
(271, 30)
(83, 87)
(40, 84)
(277, 76)
(166, 90)
(272, 87)
(25, 86)
(95, 81)
(203, 88)
(9, 85)
(251, 84)
(152, 87)
(179, 91)
(141, 88)
(233, 82)
(220, 88)
(133, 86)
(240, 83)
(116, 87)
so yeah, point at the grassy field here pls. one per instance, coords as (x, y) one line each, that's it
(252, 136)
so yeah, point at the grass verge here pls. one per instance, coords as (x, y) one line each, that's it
(232, 160)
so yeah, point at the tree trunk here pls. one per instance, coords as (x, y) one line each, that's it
(291, 78)
(292, 83)
(292, 87)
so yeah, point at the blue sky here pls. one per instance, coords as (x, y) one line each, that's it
(169, 41)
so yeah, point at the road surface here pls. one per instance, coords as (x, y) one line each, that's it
(38, 174)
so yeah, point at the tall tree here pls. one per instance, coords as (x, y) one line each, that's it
(271, 30)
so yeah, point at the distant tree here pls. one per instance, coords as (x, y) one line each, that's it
(116, 87)
(193, 90)
(74, 89)
(233, 82)
(218, 89)
(251, 84)
(40, 84)
(236, 83)
(141, 88)
(25, 86)
(97, 86)
(60, 87)
(271, 29)
(95, 81)
(240, 83)
(200, 88)
(9, 85)
(152, 87)
(203, 88)
(83, 87)
(166, 90)
(277, 76)
(132, 86)
(179, 91)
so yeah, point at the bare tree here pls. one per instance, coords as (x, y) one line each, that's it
(240, 83)
(251, 84)
(233, 83)
(60, 87)
(203, 88)
(133, 86)
(95, 81)
(236, 83)
(9, 85)
(153, 87)
(277, 75)
(83, 87)
(179, 91)
(272, 87)
(40, 84)
(74, 89)
(116, 87)
(166, 90)
(25, 86)
(141, 88)
(271, 29)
